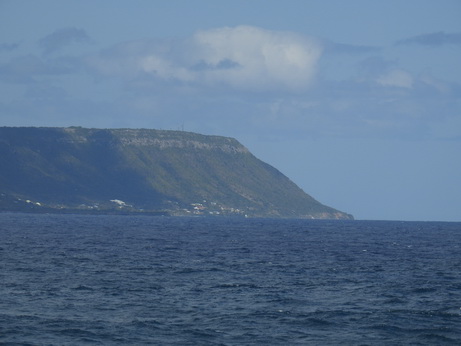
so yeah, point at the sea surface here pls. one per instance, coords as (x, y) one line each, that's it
(143, 280)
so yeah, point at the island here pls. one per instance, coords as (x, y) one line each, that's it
(144, 171)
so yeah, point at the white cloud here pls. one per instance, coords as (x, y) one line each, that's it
(243, 57)
(263, 59)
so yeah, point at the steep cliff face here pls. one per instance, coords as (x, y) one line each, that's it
(140, 170)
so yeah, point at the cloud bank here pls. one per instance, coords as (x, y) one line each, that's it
(229, 80)
(244, 57)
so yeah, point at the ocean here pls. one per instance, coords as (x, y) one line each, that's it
(144, 280)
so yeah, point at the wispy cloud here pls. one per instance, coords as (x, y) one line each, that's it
(62, 37)
(433, 39)
(24, 69)
(8, 46)
(342, 48)
(379, 71)
(243, 57)
(396, 78)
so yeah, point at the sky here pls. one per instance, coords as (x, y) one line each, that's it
(358, 102)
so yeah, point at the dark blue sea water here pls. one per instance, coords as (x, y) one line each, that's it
(138, 280)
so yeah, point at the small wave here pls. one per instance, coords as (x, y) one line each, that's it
(146, 322)
(394, 301)
(424, 290)
(435, 338)
(83, 288)
(237, 285)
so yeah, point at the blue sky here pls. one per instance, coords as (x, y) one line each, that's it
(358, 102)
